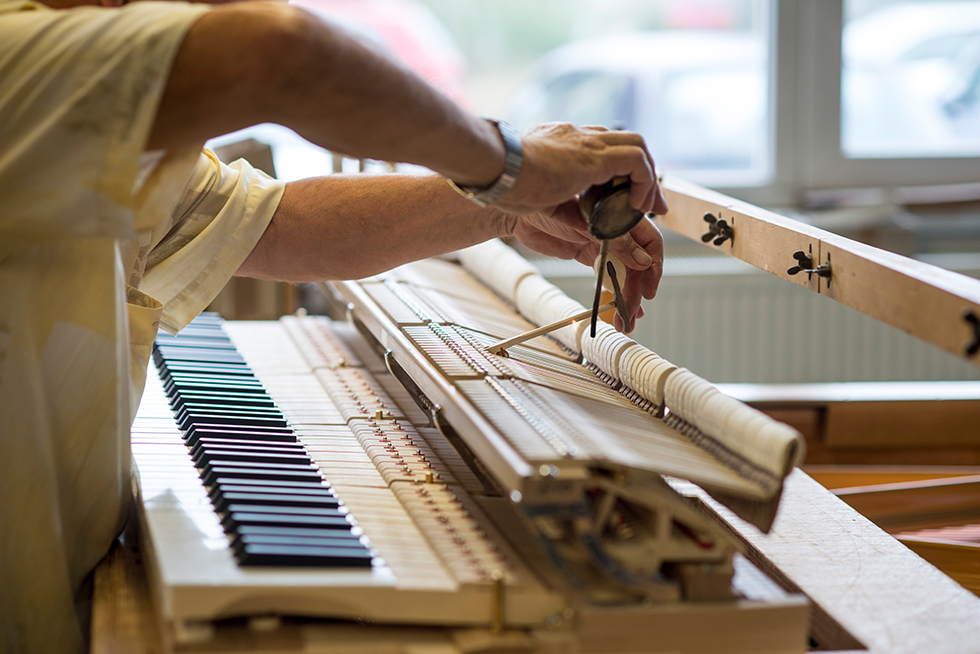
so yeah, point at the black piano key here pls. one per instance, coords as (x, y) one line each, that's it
(245, 445)
(235, 470)
(238, 432)
(232, 394)
(275, 506)
(298, 532)
(167, 360)
(263, 470)
(285, 510)
(274, 555)
(224, 500)
(180, 352)
(222, 412)
(210, 386)
(192, 353)
(192, 407)
(205, 456)
(183, 384)
(176, 377)
(261, 484)
(205, 361)
(220, 489)
(233, 519)
(210, 417)
(202, 340)
(209, 376)
(351, 542)
(212, 369)
(218, 397)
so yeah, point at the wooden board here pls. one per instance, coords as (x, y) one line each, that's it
(920, 504)
(871, 594)
(770, 623)
(837, 476)
(911, 423)
(762, 238)
(961, 561)
(923, 300)
(869, 589)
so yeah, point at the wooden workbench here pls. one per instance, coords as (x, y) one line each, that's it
(870, 593)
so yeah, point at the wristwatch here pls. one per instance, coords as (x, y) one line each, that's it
(486, 195)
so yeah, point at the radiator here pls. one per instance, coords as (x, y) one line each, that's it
(730, 322)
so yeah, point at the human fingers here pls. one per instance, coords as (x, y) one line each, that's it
(631, 253)
(660, 202)
(647, 236)
(633, 295)
(641, 248)
(568, 216)
(632, 139)
(560, 232)
(628, 161)
(544, 243)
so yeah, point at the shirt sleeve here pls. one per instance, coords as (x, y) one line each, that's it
(224, 211)
(79, 89)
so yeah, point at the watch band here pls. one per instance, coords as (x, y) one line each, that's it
(486, 195)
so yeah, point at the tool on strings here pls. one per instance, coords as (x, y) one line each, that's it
(606, 209)
(618, 298)
(501, 347)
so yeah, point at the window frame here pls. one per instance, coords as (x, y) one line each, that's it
(805, 117)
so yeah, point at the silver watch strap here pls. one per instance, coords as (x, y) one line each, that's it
(486, 195)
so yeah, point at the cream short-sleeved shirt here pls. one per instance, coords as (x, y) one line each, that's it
(99, 244)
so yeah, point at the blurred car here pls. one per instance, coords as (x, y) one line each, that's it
(405, 30)
(698, 97)
(910, 80)
(910, 86)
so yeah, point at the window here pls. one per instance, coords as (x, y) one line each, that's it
(690, 75)
(909, 79)
(767, 100)
(865, 89)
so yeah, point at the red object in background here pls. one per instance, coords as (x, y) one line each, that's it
(701, 14)
(407, 31)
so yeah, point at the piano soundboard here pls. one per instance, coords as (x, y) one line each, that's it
(312, 468)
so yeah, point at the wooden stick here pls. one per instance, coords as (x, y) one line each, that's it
(499, 348)
(936, 305)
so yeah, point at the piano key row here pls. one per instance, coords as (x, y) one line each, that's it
(269, 495)
(374, 460)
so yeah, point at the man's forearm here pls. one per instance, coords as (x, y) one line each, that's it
(247, 63)
(347, 227)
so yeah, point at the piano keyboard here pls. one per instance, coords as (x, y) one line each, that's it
(276, 508)
(381, 520)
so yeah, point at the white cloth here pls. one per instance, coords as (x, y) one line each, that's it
(99, 243)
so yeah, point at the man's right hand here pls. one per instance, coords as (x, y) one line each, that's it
(561, 160)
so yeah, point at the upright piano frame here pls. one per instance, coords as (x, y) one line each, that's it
(869, 592)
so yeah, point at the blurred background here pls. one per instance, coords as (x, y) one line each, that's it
(859, 116)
